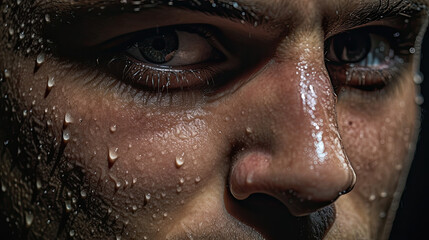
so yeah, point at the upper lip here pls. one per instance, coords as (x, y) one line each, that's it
(273, 220)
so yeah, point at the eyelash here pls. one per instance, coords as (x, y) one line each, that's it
(160, 79)
(370, 82)
(209, 76)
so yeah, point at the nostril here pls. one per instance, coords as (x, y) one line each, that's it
(247, 175)
(273, 219)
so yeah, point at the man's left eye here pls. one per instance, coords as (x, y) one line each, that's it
(359, 47)
(176, 46)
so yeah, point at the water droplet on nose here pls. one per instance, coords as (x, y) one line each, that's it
(372, 197)
(66, 135)
(113, 155)
(181, 180)
(412, 50)
(249, 130)
(28, 219)
(134, 208)
(383, 194)
(118, 237)
(113, 128)
(179, 189)
(72, 233)
(180, 160)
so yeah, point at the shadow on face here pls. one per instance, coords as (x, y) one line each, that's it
(207, 119)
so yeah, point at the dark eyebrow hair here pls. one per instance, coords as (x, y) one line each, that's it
(232, 10)
(383, 9)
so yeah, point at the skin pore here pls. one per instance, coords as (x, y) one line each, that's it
(202, 119)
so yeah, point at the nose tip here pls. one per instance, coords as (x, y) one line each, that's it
(303, 188)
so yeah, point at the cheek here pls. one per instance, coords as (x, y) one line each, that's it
(378, 138)
(137, 162)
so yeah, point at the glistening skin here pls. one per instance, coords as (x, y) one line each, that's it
(207, 119)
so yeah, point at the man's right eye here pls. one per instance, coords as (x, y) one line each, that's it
(175, 46)
(168, 58)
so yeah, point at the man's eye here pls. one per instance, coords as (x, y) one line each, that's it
(367, 59)
(173, 47)
(359, 47)
(168, 58)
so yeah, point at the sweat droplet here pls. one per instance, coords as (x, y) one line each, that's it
(68, 119)
(47, 18)
(197, 179)
(38, 184)
(51, 83)
(113, 156)
(68, 206)
(28, 219)
(40, 59)
(179, 160)
(66, 135)
(83, 193)
(113, 128)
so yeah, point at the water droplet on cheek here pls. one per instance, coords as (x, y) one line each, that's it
(66, 135)
(113, 128)
(112, 156)
(47, 18)
(180, 160)
(68, 119)
(28, 219)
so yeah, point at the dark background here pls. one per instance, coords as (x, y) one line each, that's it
(412, 217)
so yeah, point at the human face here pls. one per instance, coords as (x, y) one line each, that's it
(207, 119)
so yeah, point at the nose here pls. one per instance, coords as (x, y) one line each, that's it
(304, 165)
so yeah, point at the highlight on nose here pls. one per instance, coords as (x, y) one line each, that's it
(302, 188)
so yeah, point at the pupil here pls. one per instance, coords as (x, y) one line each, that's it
(352, 47)
(158, 44)
(159, 47)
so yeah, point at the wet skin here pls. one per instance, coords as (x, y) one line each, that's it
(265, 120)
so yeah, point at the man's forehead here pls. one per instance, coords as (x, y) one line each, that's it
(266, 8)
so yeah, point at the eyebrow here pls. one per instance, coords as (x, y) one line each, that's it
(232, 10)
(365, 14)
